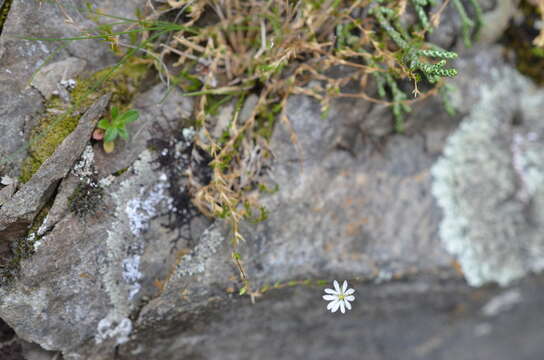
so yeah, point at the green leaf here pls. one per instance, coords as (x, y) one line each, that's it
(243, 290)
(104, 124)
(111, 134)
(128, 117)
(114, 112)
(123, 133)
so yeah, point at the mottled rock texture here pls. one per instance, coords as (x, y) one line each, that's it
(141, 275)
(20, 59)
(416, 319)
(18, 213)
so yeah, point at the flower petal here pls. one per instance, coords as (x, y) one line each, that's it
(330, 297)
(336, 286)
(349, 291)
(349, 298)
(348, 305)
(331, 304)
(344, 286)
(335, 306)
(342, 308)
(330, 291)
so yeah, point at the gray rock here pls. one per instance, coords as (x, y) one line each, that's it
(17, 109)
(122, 273)
(20, 59)
(17, 214)
(10, 347)
(50, 79)
(346, 192)
(496, 18)
(36, 352)
(7, 192)
(351, 203)
(414, 319)
(115, 255)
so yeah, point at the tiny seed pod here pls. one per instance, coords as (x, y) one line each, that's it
(108, 146)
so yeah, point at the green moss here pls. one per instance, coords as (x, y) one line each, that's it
(120, 172)
(23, 248)
(519, 38)
(61, 119)
(266, 120)
(122, 81)
(47, 135)
(4, 10)
(39, 219)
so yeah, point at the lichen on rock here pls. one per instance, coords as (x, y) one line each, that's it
(490, 180)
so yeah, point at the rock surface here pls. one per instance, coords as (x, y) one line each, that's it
(21, 59)
(143, 276)
(54, 77)
(10, 349)
(17, 214)
(417, 319)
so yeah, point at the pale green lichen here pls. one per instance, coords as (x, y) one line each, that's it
(490, 183)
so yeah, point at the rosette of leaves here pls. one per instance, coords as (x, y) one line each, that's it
(116, 127)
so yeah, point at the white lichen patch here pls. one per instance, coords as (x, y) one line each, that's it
(35, 238)
(490, 184)
(502, 303)
(189, 134)
(68, 84)
(196, 262)
(110, 329)
(83, 169)
(107, 181)
(525, 158)
(6, 180)
(132, 274)
(43, 228)
(141, 209)
(138, 199)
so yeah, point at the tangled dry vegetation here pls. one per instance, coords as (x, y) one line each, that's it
(228, 50)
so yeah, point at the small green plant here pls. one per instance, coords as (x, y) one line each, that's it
(114, 127)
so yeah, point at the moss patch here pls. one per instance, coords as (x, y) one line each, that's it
(23, 248)
(4, 10)
(519, 38)
(61, 119)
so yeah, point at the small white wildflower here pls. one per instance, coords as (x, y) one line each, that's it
(339, 298)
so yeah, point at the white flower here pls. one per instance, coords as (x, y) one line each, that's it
(339, 298)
